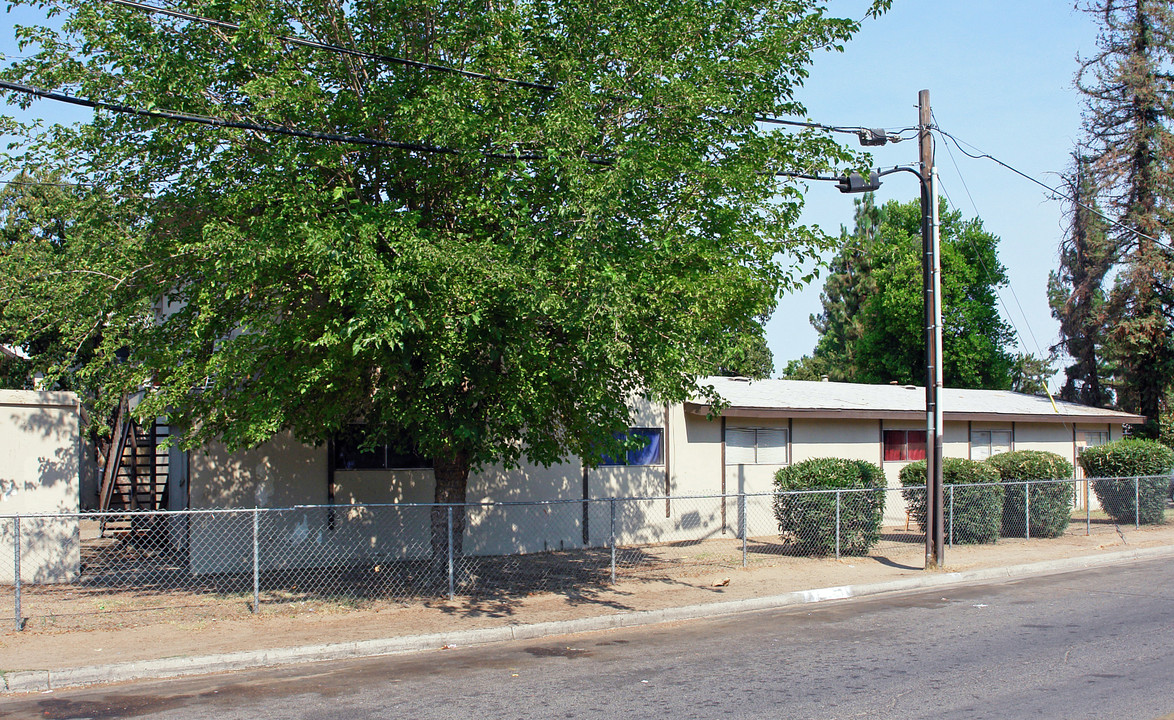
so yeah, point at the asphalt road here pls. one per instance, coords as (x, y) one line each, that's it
(1095, 644)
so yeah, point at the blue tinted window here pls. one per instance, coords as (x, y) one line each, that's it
(651, 451)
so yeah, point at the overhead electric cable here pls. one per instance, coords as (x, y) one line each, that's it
(877, 135)
(1056, 193)
(986, 271)
(868, 136)
(38, 183)
(390, 59)
(275, 129)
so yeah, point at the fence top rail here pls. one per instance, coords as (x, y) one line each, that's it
(87, 515)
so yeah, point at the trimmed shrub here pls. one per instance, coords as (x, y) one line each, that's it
(808, 521)
(1051, 503)
(1126, 459)
(978, 511)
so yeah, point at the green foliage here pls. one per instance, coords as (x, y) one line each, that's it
(872, 324)
(1129, 458)
(1051, 504)
(46, 290)
(491, 309)
(1030, 374)
(750, 357)
(977, 511)
(807, 368)
(808, 521)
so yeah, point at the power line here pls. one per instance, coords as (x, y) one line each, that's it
(989, 276)
(986, 271)
(389, 59)
(873, 136)
(40, 183)
(868, 136)
(274, 129)
(1054, 191)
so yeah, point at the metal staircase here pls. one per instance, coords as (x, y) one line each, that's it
(134, 478)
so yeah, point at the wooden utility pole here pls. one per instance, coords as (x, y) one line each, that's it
(935, 556)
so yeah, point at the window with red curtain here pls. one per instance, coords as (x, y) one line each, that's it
(895, 445)
(916, 444)
(903, 445)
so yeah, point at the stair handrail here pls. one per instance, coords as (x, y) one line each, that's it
(114, 457)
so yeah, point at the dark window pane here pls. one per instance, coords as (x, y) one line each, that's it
(348, 456)
(349, 452)
(608, 459)
(407, 460)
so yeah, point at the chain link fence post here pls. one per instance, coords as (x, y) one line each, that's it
(452, 587)
(742, 523)
(612, 539)
(1027, 510)
(837, 524)
(1136, 503)
(16, 569)
(951, 515)
(1087, 510)
(256, 560)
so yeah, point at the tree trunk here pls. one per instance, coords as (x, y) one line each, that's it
(452, 480)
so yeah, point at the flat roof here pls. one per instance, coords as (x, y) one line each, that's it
(796, 398)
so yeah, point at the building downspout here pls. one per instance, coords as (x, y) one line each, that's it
(668, 478)
(723, 460)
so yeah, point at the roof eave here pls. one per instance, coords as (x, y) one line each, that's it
(870, 414)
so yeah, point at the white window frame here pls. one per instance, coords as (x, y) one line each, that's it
(988, 448)
(748, 447)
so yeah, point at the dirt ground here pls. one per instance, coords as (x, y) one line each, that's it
(69, 628)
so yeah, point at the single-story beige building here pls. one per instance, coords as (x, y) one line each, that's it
(331, 503)
(358, 498)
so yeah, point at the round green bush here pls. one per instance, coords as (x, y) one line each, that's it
(977, 511)
(808, 520)
(1130, 458)
(1051, 503)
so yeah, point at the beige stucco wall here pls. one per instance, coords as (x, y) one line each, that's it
(695, 447)
(40, 454)
(280, 473)
(1045, 437)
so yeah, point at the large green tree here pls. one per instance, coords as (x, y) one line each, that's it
(872, 324)
(495, 282)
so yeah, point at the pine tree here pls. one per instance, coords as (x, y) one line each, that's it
(849, 284)
(1130, 102)
(1076, 293)
(872, 326)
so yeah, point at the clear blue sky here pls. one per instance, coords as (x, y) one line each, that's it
(1000, 75)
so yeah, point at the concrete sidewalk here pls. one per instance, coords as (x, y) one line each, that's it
(117, 650)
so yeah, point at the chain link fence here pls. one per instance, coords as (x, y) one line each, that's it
(71, 565)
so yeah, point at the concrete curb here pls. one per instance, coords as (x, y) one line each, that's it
(30, 681)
